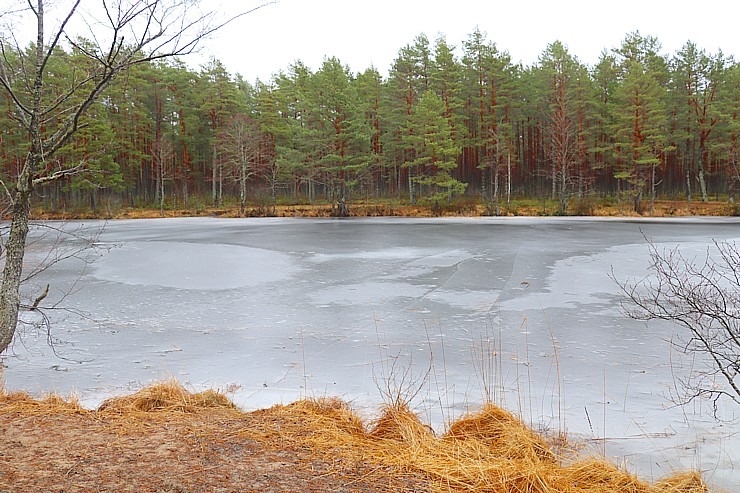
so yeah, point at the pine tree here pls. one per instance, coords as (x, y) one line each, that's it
(606, 80)
(566, 85)
(489, 80)
(639, 122)
(697, 78)
(370, 90)
(729, 129)
(435, 152)
(341, 132)
(219, 100)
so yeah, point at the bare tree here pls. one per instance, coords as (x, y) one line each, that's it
(242, 143)
(563, 149)
(122, 33)
(703, 296)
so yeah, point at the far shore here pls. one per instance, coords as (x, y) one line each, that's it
(379, 208)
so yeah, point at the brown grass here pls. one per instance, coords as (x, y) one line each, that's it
(167, 396)
(503, 434)
(23, 404)
(663, 208)
(486, 451)
(686, 482)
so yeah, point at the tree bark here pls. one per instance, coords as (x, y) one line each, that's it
(214, 175)
(15, 250)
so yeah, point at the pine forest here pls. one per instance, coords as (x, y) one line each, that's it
(447, 123)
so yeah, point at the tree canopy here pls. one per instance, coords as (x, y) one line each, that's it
(446, 121)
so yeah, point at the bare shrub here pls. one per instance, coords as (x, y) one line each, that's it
(702, 295)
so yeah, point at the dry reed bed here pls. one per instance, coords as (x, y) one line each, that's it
(487, 451)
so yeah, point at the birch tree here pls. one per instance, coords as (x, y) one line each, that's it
(121, 34)
(241, 143)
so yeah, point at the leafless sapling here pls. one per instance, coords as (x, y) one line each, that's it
(702, 295)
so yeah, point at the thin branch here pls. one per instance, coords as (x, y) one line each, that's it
(59, 174)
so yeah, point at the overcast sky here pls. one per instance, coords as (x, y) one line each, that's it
(364, 33)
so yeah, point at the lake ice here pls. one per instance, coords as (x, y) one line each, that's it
(279, 309)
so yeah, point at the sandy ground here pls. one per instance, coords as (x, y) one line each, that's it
(206, 451)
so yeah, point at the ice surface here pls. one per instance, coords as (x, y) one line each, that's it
(208, 267)
(520, 308)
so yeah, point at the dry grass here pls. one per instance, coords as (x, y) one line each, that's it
(532, 207)
(503, 434)
(167, 396)
(686, 482)
(487, 451)
(23, 404)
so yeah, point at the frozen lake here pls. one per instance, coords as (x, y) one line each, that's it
(272, 310)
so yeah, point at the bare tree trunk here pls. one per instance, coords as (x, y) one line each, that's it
(703, 185)
(653, 185)
(508, 179)
(563, 191)
(15, 250)
(554, 180)
(242, 189)
(160, 181)
(495, 188)
(214, 176)
(412, 198)
(220, 185)
(688, 184)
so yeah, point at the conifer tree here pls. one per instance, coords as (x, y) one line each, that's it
(490, 78)
(566, 86)
(219, 101)
(370, 90)
(435, 152)
(697, 81)
(340, 130)
(639, 116)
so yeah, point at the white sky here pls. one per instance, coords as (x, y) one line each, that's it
(364, 33)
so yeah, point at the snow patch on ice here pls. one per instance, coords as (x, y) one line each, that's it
(193, 266)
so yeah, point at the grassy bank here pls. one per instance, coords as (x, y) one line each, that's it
(164, 438)
(391, 208)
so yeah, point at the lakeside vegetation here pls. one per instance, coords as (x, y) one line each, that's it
(459, 207)
(447, 123)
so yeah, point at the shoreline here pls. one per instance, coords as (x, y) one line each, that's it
(533, 208)
(323, 443)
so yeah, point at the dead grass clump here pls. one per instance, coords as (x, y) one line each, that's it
(600, 476)
(24, 404)
(487, 451)
(398, 423)
(328, 412)
(687, 482)
(469, 466)
(166, 396)
(503, 433)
